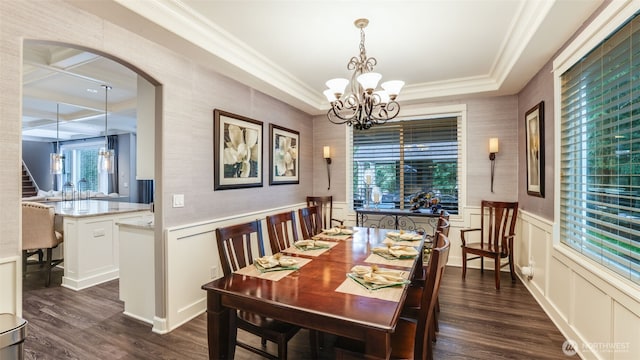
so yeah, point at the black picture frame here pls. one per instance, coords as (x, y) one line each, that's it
(534, 129)
(284, 162)
(237, 151)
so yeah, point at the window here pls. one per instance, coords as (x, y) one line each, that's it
(600, 153)
(81, 162)
(402, 158)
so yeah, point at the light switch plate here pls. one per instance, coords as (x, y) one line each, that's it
(178, 200)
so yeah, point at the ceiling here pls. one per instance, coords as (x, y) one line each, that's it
(288, 49)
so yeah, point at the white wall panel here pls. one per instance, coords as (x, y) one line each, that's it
(591, 309)
(595, 308)
(625, 333)
(10, 280)
(559, 294)
(193, 260)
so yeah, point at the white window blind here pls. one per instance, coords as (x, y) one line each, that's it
(600, 153)
(406, 157)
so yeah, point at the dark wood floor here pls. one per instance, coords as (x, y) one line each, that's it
(476, 322)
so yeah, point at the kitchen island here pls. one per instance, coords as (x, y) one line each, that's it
(91, 245)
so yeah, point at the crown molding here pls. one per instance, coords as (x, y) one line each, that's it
(253, 69)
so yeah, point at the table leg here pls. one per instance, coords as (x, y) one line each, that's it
(221, 329)
(378, 345)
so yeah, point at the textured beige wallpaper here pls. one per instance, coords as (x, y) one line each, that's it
(190, 92)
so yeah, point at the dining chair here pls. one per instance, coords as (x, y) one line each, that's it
(412, 303)
(325, 203)
(38, 234)
(282, 230)
(412, 338)
(496, 234)
(236, 246)
(310, 221)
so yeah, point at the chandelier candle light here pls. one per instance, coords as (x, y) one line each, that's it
(105, 156)
(363, 107)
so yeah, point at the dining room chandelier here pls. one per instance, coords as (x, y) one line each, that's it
(106, 156)
(364, 106)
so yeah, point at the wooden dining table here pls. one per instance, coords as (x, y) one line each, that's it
(308, 297)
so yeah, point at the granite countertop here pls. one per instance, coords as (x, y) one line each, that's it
(86, 208)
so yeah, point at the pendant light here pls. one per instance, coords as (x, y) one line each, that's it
(106, 156)
(55, 159)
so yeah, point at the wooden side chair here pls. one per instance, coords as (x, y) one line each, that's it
(236, 245)
(38, 234)
(309, 221)
(496, 233)
(412, 339)
(325, 203)
(412, 303)
(282, 230)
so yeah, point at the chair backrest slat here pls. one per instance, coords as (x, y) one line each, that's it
(325, 203)
(310, 224)
(278, 227)
(498, 219)
(236, 244)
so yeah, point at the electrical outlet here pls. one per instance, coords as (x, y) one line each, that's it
(178, 200)
(214, 272)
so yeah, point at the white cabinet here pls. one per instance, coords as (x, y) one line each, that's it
(137, 269)
(90, 245)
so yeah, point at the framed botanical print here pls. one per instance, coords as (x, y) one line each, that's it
(237, 151)
(284, 164)
(534, 127)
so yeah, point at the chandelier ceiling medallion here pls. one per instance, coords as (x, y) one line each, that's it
(363, 106)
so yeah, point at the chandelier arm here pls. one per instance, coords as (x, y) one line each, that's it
(336, 113)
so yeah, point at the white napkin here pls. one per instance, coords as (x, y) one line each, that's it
(337, 231)
(380, 250)
(375, 275)
(399, 251)
(310, 244)
(270, 261)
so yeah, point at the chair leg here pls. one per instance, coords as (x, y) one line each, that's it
(464, 263)
(313, 343)
(282, 348)
(497, 272)
(511, 269)
(49, 266)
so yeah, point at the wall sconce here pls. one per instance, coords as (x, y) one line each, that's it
(326, 154)
(493, 150)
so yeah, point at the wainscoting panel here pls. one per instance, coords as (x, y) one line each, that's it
(596, 309)
(11, 280)
(192, 260)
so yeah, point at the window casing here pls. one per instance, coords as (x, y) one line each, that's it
(427, 150)
(600, 153)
